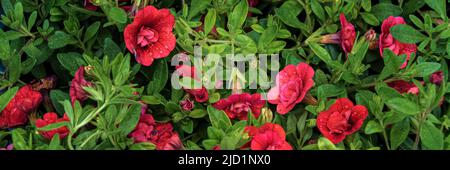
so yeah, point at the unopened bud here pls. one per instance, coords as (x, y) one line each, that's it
(267, 115)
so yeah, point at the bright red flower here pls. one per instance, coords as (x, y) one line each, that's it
(268, 137)
(386, 40)
(50, 118)
(292, 84)
(150, 35)
(238, 105)
(16, 112)
(341, 119)
(348, 34)
(404, 87)
(76, 86)
(437, 77)
(161, 134)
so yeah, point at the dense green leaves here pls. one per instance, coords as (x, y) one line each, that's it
(406, 34)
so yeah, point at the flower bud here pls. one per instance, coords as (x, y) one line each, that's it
(266, 115)
(436, 77)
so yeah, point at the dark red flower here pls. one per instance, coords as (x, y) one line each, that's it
(217, 147)
(150, 35)
(348, 34)
(386, 40)
(292, 84)
(16, 112)
(268, 137)
(341, 119)
(199, 94)
(187, 105)
(160, 134)
(238, 105)
(76, 86)
(404, 87)
(437, 77)
(50, 118)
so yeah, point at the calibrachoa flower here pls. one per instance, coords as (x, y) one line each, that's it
(160, 134)
(268, 137)
(345, 37)
(404, 87)
(386, 40)
(341, 119)
(150, 35)
(50, 118)
(187, 105)
(16, 112)
(238, 105)
(200, 94)
(292, 84)
(76, 86)
(437, 77)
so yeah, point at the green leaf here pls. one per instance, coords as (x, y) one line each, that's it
(160, 77)
(198, 113)
(210, 21)
(32, 20)
(53, 126)
(71, 61)
(431, 136)
(5, 49)
(288, 14)
(118, 14)
(370, 18)
(399, 133)
(143, 146)
(60, 39)
(403, 106)
(325, 144)
(110, 48)
(318, 10)
(91, 31)
(55, 143)
(14, 74)
(406, 34)
(373, 127)
(19, 141)
(172, 107)
(439, 6)
(392, 63)
(330, 90)
(218, 118)
(267, 37)
(6, 97)
(384, 10)
(18, 12)
(320, 52)
(197, 6)
(151, 100)
(424, 69)
(187, 125)
(57, 97)
(237, 18)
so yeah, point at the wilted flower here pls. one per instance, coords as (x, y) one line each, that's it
(76, 86)
(341, 119)
(345, 37)
(404, 87)
(437, 77)
(150, 35)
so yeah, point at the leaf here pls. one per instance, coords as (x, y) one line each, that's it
(160, 77)
(218, 118)
(118, 14)
(384, 10)
(439, 6)
(5, 49)
(237, 17)
(431, 137)
(424, 69)
(60, 39)
(143, 146)
(14, 74)
(403, 106)
(406, 34)
(91, 31)
(18, 139)
(267, 37)
(187, 125)
(210, 21)
(197, 6)
(320, 52)
(318, 10)
(6, 97)
(373, 127)
(330, 90)
(392, 63)
(57, 96)
(55, 143)
(18, 12)
(291, 124)
(53, 126)
(198, 113)
(288, 14)
(325, 144)
(110, 48)
(399, 133)
(71, 61)
(370, 18)
(32, 20)
(151, 100)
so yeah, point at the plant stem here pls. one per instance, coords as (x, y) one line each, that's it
(385, 136)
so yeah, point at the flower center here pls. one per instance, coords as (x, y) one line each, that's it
(240, 107)
(339, 122)
(147, 36)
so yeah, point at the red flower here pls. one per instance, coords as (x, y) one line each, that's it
(346, 37)
(292, 84)
(388, 41)
(341, 119)
(268, 137)
(200, 94)
(150, 35)
(76, 86)
(161, 134)
(348, 34)
(187, 105)
(404, 87)
(437, 77)
(50, 118)
(238, 105)
(24, 102)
